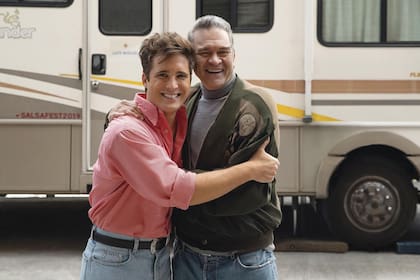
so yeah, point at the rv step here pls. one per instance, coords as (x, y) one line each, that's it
(311, 245)
(408, 247)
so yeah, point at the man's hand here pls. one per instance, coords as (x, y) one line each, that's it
(125, 107)
(264, 165)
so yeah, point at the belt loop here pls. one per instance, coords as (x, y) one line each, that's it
(136, 245)
(92, 230)
(153, 246)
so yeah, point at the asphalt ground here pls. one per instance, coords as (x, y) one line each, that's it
(42, 239)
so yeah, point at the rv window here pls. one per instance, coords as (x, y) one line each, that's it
(367, 22)
(35, 3)
(125, 17)
(250, 16)
(48, 1)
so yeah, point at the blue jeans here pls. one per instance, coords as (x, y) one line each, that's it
(188, 264)
(104, 262)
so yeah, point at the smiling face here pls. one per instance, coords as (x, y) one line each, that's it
(168, 85)
(214, 57)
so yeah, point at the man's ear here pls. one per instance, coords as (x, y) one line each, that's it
(144, 80)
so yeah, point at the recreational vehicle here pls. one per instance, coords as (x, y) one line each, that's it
(345, 76)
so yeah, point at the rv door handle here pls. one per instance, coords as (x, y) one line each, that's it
(80, 63)
(98, 64)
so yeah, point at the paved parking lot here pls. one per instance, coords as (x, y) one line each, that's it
(42, 240)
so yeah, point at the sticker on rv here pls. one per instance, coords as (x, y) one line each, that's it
(12, 28)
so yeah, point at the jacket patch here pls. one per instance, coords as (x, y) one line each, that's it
(247, 124)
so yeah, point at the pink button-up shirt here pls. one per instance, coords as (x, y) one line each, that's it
(137, 177)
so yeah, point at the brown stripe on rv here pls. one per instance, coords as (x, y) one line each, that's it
(119, 92)
(290, 86)
(366, 86)
(343, 86)
(68, 82)
(33, 90)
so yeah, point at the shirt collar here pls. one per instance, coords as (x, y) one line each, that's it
(218, 93)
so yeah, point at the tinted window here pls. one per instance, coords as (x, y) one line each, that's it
(125, 17)
(35, 3)
(251, 16)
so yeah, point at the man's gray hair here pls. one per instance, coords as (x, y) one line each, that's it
(208, 22)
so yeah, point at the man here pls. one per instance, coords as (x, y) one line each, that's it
(137, 178)
(230, 237)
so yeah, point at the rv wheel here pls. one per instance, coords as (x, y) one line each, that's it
(371, 202)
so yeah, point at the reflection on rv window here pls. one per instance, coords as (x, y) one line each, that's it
(250, 16)
(370, 21)
(125, 17)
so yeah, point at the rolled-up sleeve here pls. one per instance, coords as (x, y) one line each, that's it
(183, 189)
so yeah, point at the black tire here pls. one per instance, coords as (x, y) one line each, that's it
(371, 202)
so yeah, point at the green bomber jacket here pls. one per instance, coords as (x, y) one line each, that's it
(244, 219)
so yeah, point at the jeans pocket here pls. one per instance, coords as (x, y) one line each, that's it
(109, 255)
(257, 259)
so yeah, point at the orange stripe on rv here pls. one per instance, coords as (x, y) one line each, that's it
(298, 113)
(114, 80)
(137, 83)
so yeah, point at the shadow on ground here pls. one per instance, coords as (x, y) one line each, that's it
(63, 224)
(52, 224)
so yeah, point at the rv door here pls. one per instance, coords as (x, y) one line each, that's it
(114, 34)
